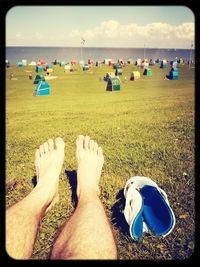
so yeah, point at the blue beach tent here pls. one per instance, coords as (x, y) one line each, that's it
(163, 64)
(39, 78)
(173, 63)
(173, 74)
(20, 64)
(39, 69)
(42, 88)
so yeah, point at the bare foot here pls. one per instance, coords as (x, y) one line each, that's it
(48, 164)
(90, 162)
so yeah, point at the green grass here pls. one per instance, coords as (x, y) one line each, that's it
(147, 129)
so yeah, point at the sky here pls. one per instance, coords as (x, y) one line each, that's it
(101, 26)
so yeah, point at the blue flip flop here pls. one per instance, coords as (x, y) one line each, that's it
(147, 208)
(157, 213)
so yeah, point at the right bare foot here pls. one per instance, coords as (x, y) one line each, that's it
(90, 162)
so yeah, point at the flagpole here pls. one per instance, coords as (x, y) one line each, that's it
(190, 55)
(81, 53)
(82, 43)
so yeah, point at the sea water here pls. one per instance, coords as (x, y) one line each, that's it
(66, 54)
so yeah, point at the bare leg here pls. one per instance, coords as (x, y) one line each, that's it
(87, 234)
(22, 219)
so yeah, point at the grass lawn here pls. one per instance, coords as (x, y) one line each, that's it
(146, 128)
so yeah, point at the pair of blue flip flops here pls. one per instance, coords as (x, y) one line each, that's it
(147, 208)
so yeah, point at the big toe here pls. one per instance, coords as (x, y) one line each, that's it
(87, 142)
(79, 142)
(59, 143)
(51, 144)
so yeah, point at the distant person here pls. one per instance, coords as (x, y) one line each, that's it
(87, 234)
(11, 76)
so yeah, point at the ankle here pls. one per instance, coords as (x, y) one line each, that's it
(88, 193)
(40, 197)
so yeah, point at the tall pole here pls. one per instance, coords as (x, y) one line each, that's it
(82, 43)
(144, 51)
(190, 55)
(81, 53)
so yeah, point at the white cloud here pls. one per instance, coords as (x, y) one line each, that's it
(18, 35)
(154, 32)
(112, 33)
(185, 31)
(38, 36)
(157, 30)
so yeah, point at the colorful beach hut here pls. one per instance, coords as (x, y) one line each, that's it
(147, 72)
(173, 74)
(113, 84)
(55, 62)
(121, 61)
(67, 68)
(98, 63)
(7, 64)
(117, 66)
(163, 64)
(32, 63)
(173, 63)
(108, 76)
(108, 61)
(39, 78)
(130, 61)
(73, 61)
(135, 75)
(118, 71)
(81, 63)
(138, 62)
(86, 67)
(180, 61)
(62, 64)
(24, 62)
(41, 61)
(151, 62)
(90, 61)
(144, 64)
(42, 89)
(49, 69)
(39, 69)
(20, 64)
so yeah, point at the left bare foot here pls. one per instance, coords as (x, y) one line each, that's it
(48, 164)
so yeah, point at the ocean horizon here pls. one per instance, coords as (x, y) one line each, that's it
(15, 54)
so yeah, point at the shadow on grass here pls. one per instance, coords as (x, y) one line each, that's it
(118, 218)
(72, 176)
(34, 180)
